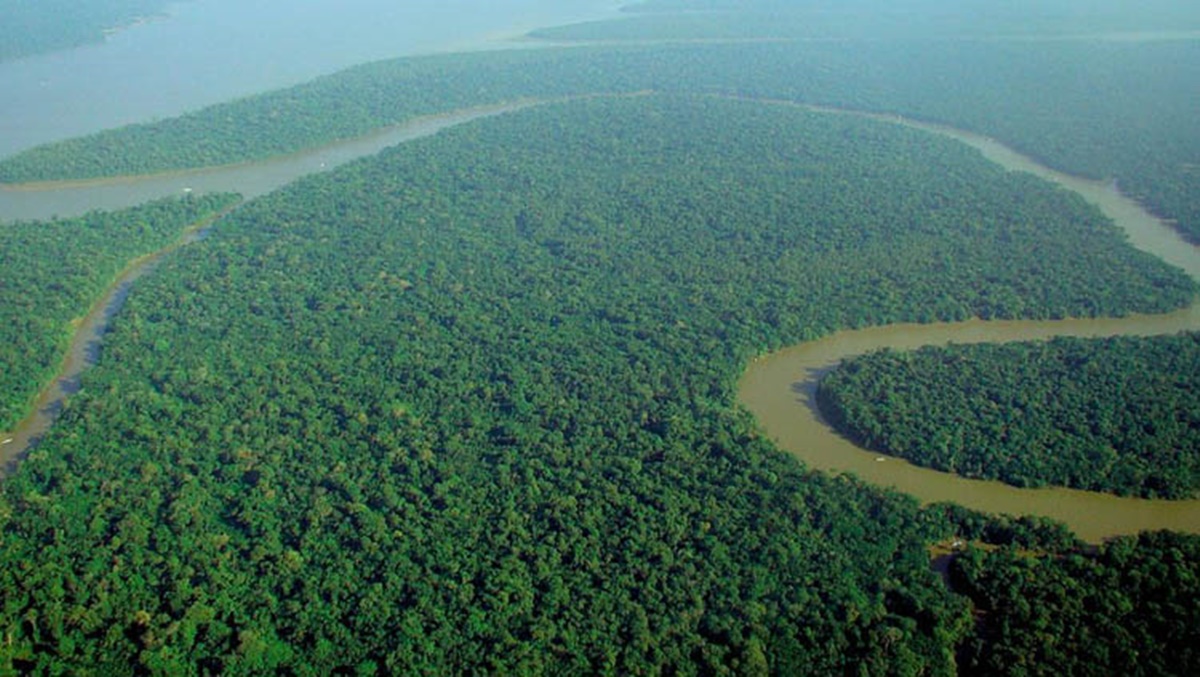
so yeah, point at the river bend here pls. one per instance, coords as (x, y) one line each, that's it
(778, 388)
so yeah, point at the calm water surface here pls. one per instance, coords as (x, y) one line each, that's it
(250, 179)
(207, 51)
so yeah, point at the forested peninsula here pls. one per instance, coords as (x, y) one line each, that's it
(1119, 414)
(981, 86)
(469, 406)
(51, 273)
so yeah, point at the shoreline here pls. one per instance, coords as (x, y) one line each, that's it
(433, 119)
(87, 334)
(785, 401)
(88, 88)
(779, 388)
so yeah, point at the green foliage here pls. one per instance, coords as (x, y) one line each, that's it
(1133, 608)
(1079, 106)
(52, 272)
(468, 406)
(1028, 532)
(46, 25)
(1118, 414)
(349, 104)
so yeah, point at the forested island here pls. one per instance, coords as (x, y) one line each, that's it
(52, 272)
(1120, 414)
(469, 405)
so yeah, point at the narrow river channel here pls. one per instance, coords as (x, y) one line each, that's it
(84, 349)
(251, 180)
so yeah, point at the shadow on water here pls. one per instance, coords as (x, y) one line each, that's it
(805, 388)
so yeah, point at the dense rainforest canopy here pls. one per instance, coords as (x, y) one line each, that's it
(468, 406)
(1119, 414)
(52, 272)
(1130, 609)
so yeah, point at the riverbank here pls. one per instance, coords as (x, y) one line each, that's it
(84, 348)
(162, 69)
(327, 154)
(44, 200)
(779, 389)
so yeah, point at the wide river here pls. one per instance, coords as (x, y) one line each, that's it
(202, 52)
(777, 388)
(780, 388)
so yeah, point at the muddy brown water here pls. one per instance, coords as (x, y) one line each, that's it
(779, 388)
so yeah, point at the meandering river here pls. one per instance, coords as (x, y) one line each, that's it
(251, 180)
(84, 350)
(778, 388)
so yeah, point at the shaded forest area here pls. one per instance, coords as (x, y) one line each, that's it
(1119, 414)
(469, 405)
(51, 272)
(1129, 609)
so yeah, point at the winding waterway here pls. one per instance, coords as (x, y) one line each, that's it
(84, 349)
(779, 389)
(72, 198)
(251, 180)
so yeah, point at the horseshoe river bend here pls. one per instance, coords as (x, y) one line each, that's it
(778, 388)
